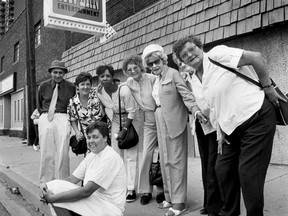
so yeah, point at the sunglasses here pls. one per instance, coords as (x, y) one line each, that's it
(156, 62)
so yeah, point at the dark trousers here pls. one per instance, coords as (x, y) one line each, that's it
(36, 140)
(245, 161)
(208, 153)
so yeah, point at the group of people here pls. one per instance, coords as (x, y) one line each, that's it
(234, 122)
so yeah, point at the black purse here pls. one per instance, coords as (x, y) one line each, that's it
(78, 146)
(131, 138)
(155, 175)
(282, 109)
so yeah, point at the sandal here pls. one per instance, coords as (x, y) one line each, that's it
(164, 205)
(174, 212)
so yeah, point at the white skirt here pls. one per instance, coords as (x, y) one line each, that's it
(96, 204)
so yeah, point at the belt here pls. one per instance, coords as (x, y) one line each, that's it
(122, 113)
(55, 112)
(157, 108)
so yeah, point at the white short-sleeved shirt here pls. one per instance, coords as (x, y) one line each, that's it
(107, 170)
(231, 99)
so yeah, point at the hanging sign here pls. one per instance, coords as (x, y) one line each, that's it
(84, 16)
(7, 84)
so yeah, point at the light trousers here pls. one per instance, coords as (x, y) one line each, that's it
(149, 145)
(54, 141)
(173, 160)
(129, 156)
(96, 204)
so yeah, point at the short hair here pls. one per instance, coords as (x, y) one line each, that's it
(133, 59)
(100, 126)
(157, 54)
(116, 80)
(83, 76)
(102, 68)
(179, 44)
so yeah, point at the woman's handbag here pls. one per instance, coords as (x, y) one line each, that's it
(131, 138)
(78, 146)
(282, 110)
(155, 175)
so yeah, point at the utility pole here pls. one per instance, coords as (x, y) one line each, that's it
(30, 70)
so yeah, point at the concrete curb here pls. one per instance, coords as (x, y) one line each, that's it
(28, 190)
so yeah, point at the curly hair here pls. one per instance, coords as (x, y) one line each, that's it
(132, 59)
(83, 76)
(157, 54)
(179, 44)
(102, 68)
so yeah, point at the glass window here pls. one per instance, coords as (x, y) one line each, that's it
(2, 65)
(1, 113)
(15, 110)
(16, 52)
(22, 110)
(18, 111)
(38, 34)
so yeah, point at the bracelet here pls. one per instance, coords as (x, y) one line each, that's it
(267, 86)
(195, 114)
(125, 128)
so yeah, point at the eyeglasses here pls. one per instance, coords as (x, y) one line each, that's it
(190, 50)
(156, 62)
(136, 68)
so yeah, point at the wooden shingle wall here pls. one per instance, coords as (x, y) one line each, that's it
(167, 20)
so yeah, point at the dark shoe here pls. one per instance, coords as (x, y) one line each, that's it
(203, 211)
(131, 196)
(145, 198)
(160, 198)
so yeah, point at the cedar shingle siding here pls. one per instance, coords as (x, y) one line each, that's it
(167, 20)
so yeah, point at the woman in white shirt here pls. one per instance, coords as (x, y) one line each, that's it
(243, 115)
(108, 93)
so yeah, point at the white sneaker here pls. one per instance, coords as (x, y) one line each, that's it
(36, 147)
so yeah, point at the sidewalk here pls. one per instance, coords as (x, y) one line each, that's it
(19, 165)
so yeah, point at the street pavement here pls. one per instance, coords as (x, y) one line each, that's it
(19, 167)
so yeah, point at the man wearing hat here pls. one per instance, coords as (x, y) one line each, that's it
(54, 127)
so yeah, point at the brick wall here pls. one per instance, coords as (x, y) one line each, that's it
(7, 42)
(53, 43)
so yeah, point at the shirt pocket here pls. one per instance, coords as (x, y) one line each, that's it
(167, 86)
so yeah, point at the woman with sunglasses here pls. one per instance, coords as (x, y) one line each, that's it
(173, 101)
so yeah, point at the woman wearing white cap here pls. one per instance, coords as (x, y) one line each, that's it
(173, 101)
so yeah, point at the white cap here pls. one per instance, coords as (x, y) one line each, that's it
(150, 49)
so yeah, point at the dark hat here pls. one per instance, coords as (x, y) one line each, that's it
(59, 65)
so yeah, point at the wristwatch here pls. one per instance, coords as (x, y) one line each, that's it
(125, 128)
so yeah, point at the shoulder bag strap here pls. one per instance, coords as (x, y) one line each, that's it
(119, 101)
(81, 128)
(235, 72)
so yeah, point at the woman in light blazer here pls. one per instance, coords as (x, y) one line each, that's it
(141, 85)
(173, 102)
